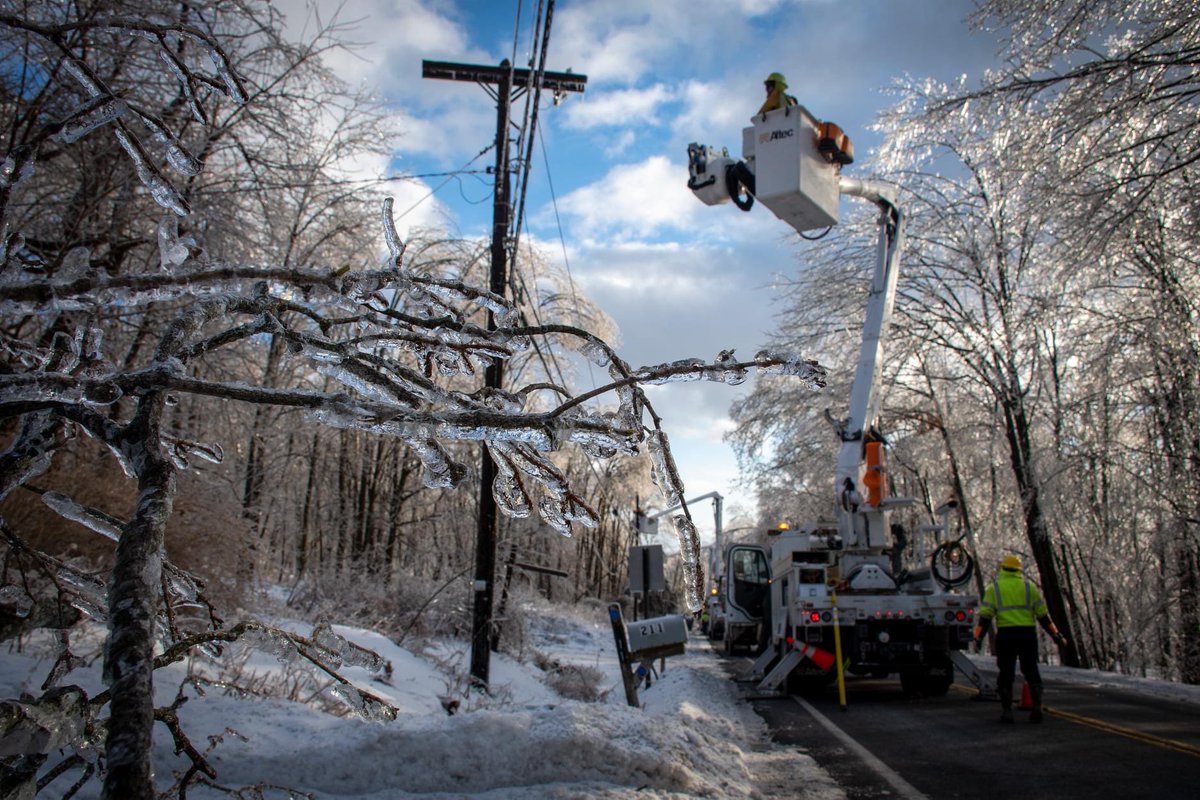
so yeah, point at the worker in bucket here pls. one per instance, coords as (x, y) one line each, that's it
(1016, 606)
(777, 96)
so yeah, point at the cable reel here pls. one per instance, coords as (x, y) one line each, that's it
(951, 557)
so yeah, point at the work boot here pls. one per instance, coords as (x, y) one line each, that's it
(1035, 694)
(1006, 714)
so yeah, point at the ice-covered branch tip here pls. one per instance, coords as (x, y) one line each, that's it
(106, 106)
(324, 650)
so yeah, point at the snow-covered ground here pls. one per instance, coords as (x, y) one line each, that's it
(692, 738)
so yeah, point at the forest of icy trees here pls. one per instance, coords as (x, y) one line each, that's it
(1045, 360)
(222, 368)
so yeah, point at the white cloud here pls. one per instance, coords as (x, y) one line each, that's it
(617, 146)
(616, 41)
(634, 200)
(617, 108)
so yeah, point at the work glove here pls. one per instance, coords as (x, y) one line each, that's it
(978, 644)
(1060, 640)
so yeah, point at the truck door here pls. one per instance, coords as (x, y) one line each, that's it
(750, 580)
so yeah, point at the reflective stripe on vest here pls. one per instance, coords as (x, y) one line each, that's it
(1014, 614)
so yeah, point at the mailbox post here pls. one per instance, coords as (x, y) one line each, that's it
(618, 626)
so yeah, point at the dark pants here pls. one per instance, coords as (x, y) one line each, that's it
(1012, 644)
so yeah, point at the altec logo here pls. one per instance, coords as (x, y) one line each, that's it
(763, 138)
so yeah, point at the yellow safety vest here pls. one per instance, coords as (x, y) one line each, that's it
(1012, 601)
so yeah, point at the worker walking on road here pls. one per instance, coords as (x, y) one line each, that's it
(1016, 604)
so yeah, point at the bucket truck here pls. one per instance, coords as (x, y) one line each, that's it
(846, 584)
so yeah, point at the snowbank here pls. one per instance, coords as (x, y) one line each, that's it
(693, 738)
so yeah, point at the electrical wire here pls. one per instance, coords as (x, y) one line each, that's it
(529, 127)
(452, 176)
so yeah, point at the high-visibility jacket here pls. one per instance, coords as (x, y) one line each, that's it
(778, 98)
(1013, 601)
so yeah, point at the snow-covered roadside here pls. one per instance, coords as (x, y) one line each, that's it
(1150, 687)
(693, 738)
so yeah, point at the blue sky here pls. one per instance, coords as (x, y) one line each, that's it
(680, 279)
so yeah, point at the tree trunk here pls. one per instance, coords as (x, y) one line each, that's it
(133, 608)
(1020, 449)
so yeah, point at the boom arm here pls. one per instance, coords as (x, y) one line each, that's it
(785, 168)
(868, 529)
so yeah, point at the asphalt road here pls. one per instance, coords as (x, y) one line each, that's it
(1095, 743)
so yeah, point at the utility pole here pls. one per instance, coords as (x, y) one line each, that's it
(510, 83)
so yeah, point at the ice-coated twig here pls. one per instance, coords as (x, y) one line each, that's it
(161, 189)
(394, 244)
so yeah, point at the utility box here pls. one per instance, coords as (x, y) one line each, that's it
(791, 176)
(657, 638)
(646, 569)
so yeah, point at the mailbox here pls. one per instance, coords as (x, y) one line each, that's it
(657, 638)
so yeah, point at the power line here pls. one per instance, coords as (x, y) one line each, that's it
(452, 176)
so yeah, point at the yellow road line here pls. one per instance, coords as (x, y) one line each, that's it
(1107, 727)
(1129, 733)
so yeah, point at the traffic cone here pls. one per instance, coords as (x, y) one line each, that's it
(1026, 698)
(822, 658)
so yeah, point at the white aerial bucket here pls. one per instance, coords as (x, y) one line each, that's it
(792, 178)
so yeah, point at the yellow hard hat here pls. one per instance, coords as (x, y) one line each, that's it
(1012, 562)
(778, 79)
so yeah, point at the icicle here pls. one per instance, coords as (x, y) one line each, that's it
(441, 472)
(75, 264)
(89, 117)
(160, 188)
(101, 393)
(211, 452)
(177, 156)
(552, 513)
(664, 473)
(394, 245)
(689, 556)
(595, 352)
(729, 375)
(15, 601)
(510, 494)
(182, 585)
(185, 84)
(345, 652)
(66, 507)
(232, 87)
(273, 642)
(171, 251)
(88, 595)
(366, 707)
(80, 74)
(375, 390)
(123, 460)
(681, 371)
(793, 365)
